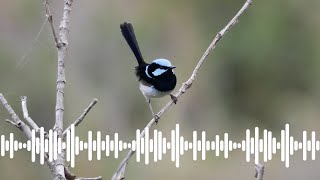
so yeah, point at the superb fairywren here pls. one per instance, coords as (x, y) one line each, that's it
(156, 79)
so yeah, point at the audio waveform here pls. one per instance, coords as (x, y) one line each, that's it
(159, 145)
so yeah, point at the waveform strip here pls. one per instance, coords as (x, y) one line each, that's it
(158, 145)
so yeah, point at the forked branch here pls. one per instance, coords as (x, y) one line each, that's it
(26, 114)
(16, 121)
(56, 166)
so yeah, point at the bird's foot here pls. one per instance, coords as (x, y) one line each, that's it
(174, 98)
(156, 118)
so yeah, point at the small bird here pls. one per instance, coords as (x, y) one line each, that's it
(156, 79)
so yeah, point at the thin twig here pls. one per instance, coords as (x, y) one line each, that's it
(259, 171)
(70, 176)
(28, 118)
(119, 174)
(82, 116)
(26, 114)
(50, 19)
(15, 118)
(13, 123)
(93, 178)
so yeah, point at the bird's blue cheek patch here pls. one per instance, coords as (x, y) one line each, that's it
(159, 71)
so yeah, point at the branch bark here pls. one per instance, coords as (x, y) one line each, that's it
(59, 171)
(93, 178)
(16, 121)
(26, 114)
(50, 19)
(82, 116)
(71, 176)
(62, 46)
(119, 174)
(259, 171)
(15, 118)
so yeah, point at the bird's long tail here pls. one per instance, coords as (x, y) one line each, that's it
(128, 34)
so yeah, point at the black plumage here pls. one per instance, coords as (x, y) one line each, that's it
(164, 82)
(129, 35)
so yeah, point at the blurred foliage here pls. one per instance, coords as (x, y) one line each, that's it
(264, 73)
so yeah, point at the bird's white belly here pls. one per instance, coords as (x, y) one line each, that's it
(151, 92)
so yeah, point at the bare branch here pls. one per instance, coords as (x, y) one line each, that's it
(93, 178)
(16, 121)
(26, 114)
(119, 174)
(259, 171)
(70, 176)
(62, 47)
(15, 118)
(82, 116)
(61, 79)
(57, 166)
(13, 123)
(50, 19)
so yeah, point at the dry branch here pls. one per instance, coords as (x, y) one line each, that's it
(119, 174)
(26, 114)
(15, 118)
(16, 121)
(62, 46)
(50, 19)
(59, 171)
(82, 116)
(93, 178)
(259, 171)
(71, 176)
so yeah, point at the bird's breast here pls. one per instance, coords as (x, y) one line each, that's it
(150, 91)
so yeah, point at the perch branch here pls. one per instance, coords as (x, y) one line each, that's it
(259, 171)
(119, 174)
(82, 116)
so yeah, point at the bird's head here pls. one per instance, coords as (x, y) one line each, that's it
(159, 67)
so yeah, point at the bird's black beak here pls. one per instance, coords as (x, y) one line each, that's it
(172, 67)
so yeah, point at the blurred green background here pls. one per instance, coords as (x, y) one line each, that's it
(264, 72)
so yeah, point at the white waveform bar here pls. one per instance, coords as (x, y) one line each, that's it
(158, 145)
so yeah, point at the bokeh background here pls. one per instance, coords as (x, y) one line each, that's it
(264, 72)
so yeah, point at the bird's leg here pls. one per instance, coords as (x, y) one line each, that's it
(174, 98)
(155, 116)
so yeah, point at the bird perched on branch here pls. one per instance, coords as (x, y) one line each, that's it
(156, 79)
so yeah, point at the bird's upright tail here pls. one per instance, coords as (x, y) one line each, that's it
(128, 34)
